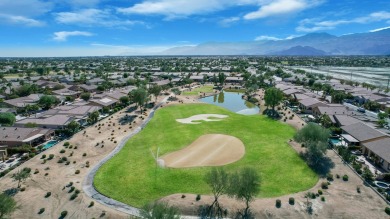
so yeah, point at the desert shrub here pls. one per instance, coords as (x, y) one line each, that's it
(64, 213)
(23, 189)
(36, 171)
(67, 163)
(322, 198)
(43, 156)
(324, 185)
(48, 194)
(77, 172)
(387, 210)
(77, 191)
(291, 201)
(198, 197)
(358, 189)
(319, 192)
(337, 176)
(41, 210)
(329, 177)
(183, 196)
(72, 188)
(91, 204)
(345, 177)
(278, 203)
(75, 147)
(46, 174)
(51, 156)
(73, 196)
(84, 154)
(66, 144)
(62, 151)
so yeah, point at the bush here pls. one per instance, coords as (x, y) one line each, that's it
(324, 185)
(23, 189)
(77, 172)
(66, 144)
(322, 198)
(319, 192)
(71, 189)
(48, 194)
(84, 154)
(198, 197)
(329, 177)
(291, 201)
(41, 210)
(36, 171)
(43, 156)
(62, 151)
(51, 156)
(64, 213)
(278, 203)
(387, 210)
(91, 204)
(337, 176)
(358, 189)
(73, 196)
(345, 177)
(183, 196)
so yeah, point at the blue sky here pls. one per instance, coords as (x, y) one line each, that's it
(138, 27)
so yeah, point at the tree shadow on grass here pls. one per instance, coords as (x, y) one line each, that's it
(323, 167)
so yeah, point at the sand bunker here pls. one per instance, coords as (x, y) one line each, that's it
(207, 150)
(203, 117)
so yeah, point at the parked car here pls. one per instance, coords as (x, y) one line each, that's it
(362, 110)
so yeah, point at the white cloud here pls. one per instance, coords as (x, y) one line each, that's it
(379, 29)
(63, 35)
(260, 38)
(229, 21)
(313, 25)
(20, 20)
(93, 17)
(25, 8)
(278, 7)
(183, 8)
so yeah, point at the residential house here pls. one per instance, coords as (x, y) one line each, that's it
(22, 102)
(47, 121)
(16, 136)
(379, 152)
(360, 133)
(307, 105)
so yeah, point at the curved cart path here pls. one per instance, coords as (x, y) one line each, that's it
(89, 188)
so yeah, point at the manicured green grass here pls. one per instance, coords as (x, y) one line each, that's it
(196, 91)
(132, 177)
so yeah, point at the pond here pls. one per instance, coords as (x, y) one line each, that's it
(232, 101)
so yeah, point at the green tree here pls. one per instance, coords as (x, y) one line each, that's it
(47, 101)
(176, 91)
(140, 97)
(93, 117)
(158, 210)
(7, 119)
(221, 78)
(315, 138)
(244, 185)
(7, 205)
(155, 90)
(273, 97)
(124, 100)
(85, 96)
(73, 127)
(21, 175)
(218, 180)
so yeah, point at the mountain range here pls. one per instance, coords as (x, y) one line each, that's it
(314, 44)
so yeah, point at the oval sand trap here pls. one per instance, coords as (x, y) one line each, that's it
(202, 117)
(207, 150)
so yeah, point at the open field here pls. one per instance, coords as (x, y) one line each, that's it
(131, 176)
(196, 91)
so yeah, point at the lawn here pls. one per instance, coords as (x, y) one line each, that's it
(196, 91)
(132, 177)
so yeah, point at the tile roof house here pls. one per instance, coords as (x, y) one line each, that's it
(21, 102)
(48, 121)
(16, 136)
(307, 105)
(379, 152)
(363, 133)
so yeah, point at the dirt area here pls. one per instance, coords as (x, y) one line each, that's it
(207, 150)
(54, 177)
(341, 200)
(202, 117)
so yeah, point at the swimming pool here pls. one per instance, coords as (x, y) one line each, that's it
(49, 144)
(334, 141)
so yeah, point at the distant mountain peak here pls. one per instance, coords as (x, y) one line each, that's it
(300, 51)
